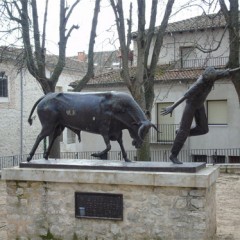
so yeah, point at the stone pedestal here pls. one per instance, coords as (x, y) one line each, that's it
(156, 205)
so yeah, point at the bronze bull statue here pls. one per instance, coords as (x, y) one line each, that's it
(104, 113)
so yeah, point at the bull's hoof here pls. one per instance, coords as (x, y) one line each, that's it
(29, 158)
(127, 160)
(175, 160)
(95, 155)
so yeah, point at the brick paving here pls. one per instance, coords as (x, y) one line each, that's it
(228, 208)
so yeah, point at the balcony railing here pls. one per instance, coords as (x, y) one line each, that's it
(200, 63)
(167, 135)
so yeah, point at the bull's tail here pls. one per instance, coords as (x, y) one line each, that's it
(33, 108)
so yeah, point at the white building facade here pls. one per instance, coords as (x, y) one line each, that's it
(18, 93)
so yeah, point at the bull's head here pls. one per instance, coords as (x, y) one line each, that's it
(139, 132)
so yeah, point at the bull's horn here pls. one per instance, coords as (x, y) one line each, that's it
(143, 126)
(154, 126)
(140, 130)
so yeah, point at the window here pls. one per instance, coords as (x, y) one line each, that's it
(217, 112)
(188, 57)
(71, 136)
(3, 85)
(165, 124)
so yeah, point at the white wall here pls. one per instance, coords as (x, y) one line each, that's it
(207, 39)
(10, 112)
(10, 121)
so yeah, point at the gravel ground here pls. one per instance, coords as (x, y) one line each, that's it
(228, 208)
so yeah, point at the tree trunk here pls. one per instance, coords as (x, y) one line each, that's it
(232, 19)
(144, 153)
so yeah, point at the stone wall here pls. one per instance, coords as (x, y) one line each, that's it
(45, 209)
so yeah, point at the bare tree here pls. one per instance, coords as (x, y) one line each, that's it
(90, 70)
(141, 85)
(232, 19)
(25, 14)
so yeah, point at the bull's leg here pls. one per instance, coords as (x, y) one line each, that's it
(77, 132)
(44, 133)
(57, 132)
(107, 141)
(119, 139)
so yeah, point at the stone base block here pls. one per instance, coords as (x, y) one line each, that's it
(156, 205)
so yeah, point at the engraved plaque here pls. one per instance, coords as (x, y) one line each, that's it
(99, 205)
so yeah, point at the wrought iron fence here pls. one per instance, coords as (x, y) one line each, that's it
(211, 156)
(200, 63)
(11, 161)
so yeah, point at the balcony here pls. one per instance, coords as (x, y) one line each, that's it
(167, 135)
(199, 63)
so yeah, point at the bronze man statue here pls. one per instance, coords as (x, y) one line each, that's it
(195, 98)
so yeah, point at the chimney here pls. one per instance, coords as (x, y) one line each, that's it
(82, 57)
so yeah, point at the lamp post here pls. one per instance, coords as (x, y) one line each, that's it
(21, 113)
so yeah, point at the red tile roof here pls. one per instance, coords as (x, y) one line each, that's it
(114, 77)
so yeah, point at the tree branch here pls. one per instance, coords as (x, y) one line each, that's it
(26, 40)
(159, 39)
(38, 50)
(119, 16)
(224, 10)
(129, 22)
(9, 11)
(214, 49)
(151, 28)
(71, 9)
(44, 25)
(71, 29)
(90, 71)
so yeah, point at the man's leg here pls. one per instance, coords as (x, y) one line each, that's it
(182, 133)
(201, 123)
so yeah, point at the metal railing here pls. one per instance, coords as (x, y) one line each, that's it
(11, 161)
(215, 156)
(200, 63)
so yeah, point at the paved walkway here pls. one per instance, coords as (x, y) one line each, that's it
(228, 208)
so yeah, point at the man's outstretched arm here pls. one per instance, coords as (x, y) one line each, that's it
(170, 109)
(226, 73)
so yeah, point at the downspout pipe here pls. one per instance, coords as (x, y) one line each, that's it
(21, 113)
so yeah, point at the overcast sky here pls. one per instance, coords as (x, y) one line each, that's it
(106, 34)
